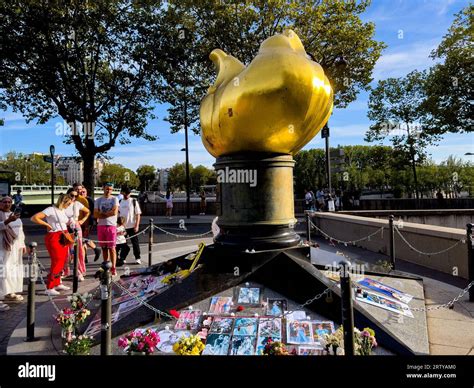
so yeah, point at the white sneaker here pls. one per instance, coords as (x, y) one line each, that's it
(4, 307)
(62, 287)
(138, 261)
(80, 278)
(52, 292)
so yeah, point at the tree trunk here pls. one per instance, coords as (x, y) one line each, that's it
(89, 159)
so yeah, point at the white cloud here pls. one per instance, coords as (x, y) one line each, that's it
(399, 61)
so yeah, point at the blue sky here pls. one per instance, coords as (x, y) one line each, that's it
(423, 23)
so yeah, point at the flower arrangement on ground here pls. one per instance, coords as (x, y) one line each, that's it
(79, 301)
(189, 346)
(274, 348)
(141, 341)
(79, 345)
(66, 319)
(364, 342)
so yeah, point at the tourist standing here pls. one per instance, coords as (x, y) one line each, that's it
(202, 195)
(308, 200)
(12, 248)
(55, 220)
(122, 246)
(169, 203)
(86, 227)
(17, 198)
(130, 209)
(77, 214)
(105, 211)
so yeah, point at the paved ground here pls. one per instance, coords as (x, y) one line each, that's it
(450, 331)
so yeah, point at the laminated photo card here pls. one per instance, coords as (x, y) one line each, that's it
(249, 296)
(245, 326)
(217, 345)
(222, 325)
(220, 305)
(299, 332)
(243, 345)
(311, 351)
(276, 307)
(188, 320)
(269, 327)
(387, 291)
(319, 328)
(387, 304)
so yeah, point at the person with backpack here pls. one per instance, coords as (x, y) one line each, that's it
(129, 209)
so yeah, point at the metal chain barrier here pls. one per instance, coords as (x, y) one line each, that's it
(126, 238)
(182, 235)
(41, 268)
(444, 305)
(351, 241)
(427, 253)
(142, 302)
(309, 301)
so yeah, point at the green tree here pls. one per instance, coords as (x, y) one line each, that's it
(95, 64)
(27, 170)
(395, 106)
(177, 176)
(328, 29)
(119, 176)
(449, 84)
(201, 175)
(309, 171)
(147, 175)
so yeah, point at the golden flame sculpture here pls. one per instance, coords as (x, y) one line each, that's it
(276, 104)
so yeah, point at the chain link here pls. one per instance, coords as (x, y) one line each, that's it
(444, 305)
(142, 302)
(126, 238)
(426, 253)
(182, 235)
(347, 242)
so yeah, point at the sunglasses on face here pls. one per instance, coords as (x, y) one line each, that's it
(72, 196)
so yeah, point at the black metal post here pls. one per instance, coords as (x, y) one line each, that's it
(346, 307)
(470, 260)
(308, 227)
(75, 276)
(391, 241)
(30, 314)
(150, 243)
(51, 152)
(106, 310)
(328, 163)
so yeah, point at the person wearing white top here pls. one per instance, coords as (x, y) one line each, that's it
(169, 203)
(12, 248)
(129, 208)
(55, 220)
(78, 214)
(122, 247)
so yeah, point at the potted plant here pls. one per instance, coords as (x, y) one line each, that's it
(139, 341)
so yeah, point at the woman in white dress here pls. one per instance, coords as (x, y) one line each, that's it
(12, 248)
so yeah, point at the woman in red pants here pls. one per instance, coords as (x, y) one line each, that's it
(55, 220)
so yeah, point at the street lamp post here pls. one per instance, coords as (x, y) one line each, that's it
(182, 35)
(51, 151)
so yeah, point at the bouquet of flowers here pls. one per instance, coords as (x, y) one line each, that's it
(82, 315)
(66, 319)
(141, 341)
(79, 301)
(274, 348)
(189, 346)
(79, 345)
(364, 341)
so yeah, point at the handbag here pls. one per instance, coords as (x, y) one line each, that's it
(66, 239)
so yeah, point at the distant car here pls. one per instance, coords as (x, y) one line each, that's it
(374, 194)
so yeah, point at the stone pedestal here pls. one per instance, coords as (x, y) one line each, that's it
(255, 201)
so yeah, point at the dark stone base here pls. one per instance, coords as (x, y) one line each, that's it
(288, 272)
(256, 237)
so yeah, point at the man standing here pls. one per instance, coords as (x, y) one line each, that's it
(130, 210)
(17, 198)
(106, 211)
